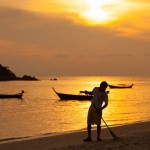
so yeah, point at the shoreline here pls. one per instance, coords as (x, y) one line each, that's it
(11, 139)
(133, 136)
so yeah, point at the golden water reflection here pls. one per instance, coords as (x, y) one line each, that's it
(123, 103)
(40, 111)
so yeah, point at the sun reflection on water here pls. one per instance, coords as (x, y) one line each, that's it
(42, 108)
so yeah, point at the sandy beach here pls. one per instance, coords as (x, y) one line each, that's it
(134, 136)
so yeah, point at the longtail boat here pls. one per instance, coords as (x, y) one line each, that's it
(120, 86)
(18, 95)
(64, 96)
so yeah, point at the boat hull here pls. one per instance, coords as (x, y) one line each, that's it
(19, 95)
(63, 96)
(119, 86)
(74, 97)
(10, 96)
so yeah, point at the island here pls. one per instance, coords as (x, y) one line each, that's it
(7, 75)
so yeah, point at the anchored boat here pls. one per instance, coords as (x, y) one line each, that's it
(64, 96)
(120, 86)
(18, 95)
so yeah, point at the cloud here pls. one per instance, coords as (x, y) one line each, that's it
(147, 54)
(30, 31)
(57, 43)
(139, 1)
(117, 55)
(61, 56)
(30, 27)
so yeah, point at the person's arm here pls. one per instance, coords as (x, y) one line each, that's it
(106, 102)
(105, 105)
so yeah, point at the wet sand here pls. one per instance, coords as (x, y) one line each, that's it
(134, 136)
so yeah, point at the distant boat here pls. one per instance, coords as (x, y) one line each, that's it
(54, 79)
(18, 95)
(64, 96)
(120, 86)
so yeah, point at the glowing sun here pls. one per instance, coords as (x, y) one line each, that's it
(98, 11)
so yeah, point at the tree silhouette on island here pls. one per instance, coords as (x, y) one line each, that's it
(7, 75)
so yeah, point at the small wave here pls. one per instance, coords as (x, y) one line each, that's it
(13, 138)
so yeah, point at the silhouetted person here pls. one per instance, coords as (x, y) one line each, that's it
(99, 102)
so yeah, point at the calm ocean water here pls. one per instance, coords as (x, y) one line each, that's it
(41, 112)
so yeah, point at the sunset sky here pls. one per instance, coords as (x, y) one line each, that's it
(75, 37)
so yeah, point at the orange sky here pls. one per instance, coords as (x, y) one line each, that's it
(78, 37)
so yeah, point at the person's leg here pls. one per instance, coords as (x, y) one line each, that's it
(88, 139)
(89, 126)
(98, 132)
(99, 127)
(89, 130)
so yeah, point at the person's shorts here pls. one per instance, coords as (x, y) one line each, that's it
(93, 117)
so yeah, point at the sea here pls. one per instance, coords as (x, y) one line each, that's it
(41, 112)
